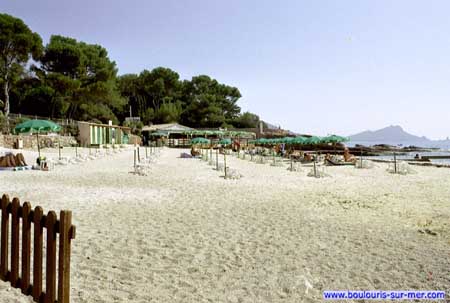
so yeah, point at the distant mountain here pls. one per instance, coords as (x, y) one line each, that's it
(395, 135)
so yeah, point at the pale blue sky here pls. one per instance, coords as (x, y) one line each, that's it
(311, 66)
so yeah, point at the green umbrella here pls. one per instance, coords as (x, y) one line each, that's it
(37, 126)
(262, 141)
(288, 140)
(313, 140)
(200, 140)
(225, 141)
(334, 139)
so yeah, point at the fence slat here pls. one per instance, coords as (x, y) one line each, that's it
(26, 252)
(4, 238)
(15, 222)
(65, 224)
(19, 219)
(50, 286)
(37, 254)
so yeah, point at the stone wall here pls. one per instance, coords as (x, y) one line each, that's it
(29, 141)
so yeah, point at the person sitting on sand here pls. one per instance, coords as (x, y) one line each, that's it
(10, 160)
(194, 152)
(348, 157)
(308, 157)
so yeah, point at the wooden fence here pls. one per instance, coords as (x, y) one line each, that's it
(9, 267)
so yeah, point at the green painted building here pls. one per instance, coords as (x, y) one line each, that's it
(93, 134)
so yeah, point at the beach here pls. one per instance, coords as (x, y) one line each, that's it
(183, 233)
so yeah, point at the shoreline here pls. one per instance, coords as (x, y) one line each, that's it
(183, 233)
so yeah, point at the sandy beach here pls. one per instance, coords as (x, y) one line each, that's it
(185, 234)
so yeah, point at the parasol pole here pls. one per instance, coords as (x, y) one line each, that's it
(39, 149)
(217, 159)
(59, 147)
(315, 169)
(225, 163)
(361, 159)
(395, 163)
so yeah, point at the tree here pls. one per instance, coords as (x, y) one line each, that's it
(17, 44)
(168, 112)
(246, 120)
(208, 103)
(83, 78)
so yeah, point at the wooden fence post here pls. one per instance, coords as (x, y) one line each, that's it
(26, 249)
(15, 244)
(4, 238)
(37, 254)
(50, 282)
(65, 237)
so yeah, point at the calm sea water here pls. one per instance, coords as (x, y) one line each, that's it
(443, 151)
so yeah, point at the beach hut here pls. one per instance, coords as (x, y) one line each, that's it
(96, 134)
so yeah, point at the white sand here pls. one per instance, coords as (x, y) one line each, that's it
(184, 234)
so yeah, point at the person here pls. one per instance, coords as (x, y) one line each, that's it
(194, 152)
(308, 157)
(417, 157)
(348, 157)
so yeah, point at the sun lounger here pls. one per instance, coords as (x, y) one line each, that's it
(336, 163)
(16, 168)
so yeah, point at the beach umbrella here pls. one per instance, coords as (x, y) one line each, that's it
(37, 126)
(200, 140)
(299, 140)
(225, 141)
(288, 140)
(334, 139)
(313, 140)
(262, 141)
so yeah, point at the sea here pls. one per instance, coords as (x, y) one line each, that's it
(441, 150)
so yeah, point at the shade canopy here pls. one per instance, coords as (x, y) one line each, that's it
(37, 126)
(225, 141)
(335, 139)
(200, 140)
(313, 140)
(159, 134)
(299, 140)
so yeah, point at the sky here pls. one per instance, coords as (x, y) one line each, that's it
(316, 67)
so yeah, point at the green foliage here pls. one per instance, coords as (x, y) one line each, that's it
(168, 112)
(76, 80)
(136, 126)
(17, 44)
(246, 120)
(83, 79)
(208, 103)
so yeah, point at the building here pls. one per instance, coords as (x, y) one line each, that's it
(172, 134)
(93, 134)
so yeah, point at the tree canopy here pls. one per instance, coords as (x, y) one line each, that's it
(17, 44)
(75, 80)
